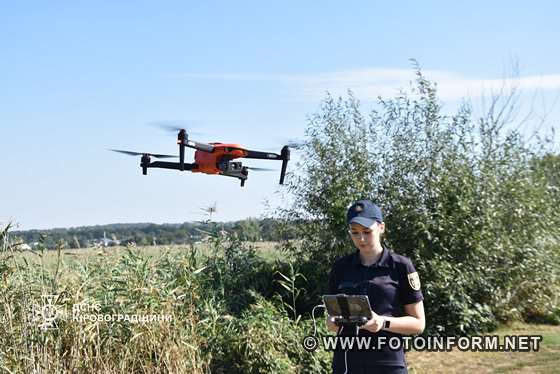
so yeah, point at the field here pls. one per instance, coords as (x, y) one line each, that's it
(264, 249)
(544, 361)
(171, 280)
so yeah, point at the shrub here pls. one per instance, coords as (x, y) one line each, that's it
(467, 199)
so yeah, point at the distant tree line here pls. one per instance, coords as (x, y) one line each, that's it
(251, 229)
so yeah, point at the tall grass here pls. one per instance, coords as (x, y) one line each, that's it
(218, 322)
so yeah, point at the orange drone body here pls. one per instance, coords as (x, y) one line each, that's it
(207, 162)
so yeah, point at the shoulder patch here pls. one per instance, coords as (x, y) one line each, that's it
(414, 281)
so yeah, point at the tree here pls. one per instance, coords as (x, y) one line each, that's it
(460, 195)
(248, 230)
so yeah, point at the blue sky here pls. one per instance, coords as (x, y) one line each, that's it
(79, 77)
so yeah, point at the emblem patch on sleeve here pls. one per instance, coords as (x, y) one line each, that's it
(414, 281)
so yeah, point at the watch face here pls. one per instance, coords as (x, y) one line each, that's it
(387, 324)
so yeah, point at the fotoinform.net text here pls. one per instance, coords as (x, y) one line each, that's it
(475, 343)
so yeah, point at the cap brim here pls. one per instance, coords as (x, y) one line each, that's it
(366, 222)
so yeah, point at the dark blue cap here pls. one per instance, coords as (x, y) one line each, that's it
(364, 212)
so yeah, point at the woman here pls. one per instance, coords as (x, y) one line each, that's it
(392, 286)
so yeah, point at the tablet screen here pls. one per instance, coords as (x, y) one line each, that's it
(355, 306)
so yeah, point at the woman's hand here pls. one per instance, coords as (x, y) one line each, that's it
(331, 325)
(374, 324)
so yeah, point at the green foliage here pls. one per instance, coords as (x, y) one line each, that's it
(248, 230)
(233, 270)
(469, 201)
(265, 340)
(335, 169)
(288, 283)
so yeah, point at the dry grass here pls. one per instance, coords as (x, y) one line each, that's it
(546, 360)
(129, 283)
(265, 249)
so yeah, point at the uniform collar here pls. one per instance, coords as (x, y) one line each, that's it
(382, 262)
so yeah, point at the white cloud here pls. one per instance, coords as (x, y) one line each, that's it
(244, 77)
(370, 83)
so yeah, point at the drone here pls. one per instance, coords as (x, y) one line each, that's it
(211, 158)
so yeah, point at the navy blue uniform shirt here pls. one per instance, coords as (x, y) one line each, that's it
(390, 284)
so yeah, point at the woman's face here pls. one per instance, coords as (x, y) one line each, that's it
(366, 237)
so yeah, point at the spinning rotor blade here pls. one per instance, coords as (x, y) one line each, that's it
(127, 152)
(176, 126)
(260, 169)
(156, 155)
(130, 153)
(296, 144)
(293, 143)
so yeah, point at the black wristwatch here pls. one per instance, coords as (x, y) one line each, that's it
(386, 324)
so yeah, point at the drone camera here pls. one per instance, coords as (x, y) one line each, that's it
(234, 166)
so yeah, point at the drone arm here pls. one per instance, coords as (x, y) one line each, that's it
(200, 146)
(262, 155)
(284, 156)
(171, 165)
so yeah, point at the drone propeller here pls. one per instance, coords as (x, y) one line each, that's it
(130, 153)
(296, 144)
(176, 126)
(259, 169)
(293, 144)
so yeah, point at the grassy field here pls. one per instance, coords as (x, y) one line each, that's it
(153, 291)
(265, 250)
